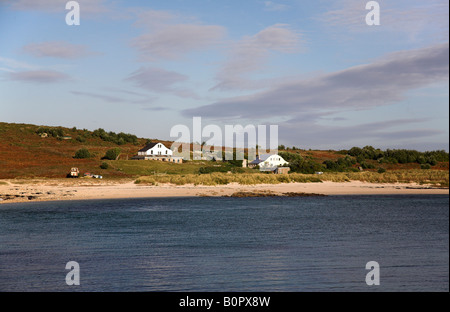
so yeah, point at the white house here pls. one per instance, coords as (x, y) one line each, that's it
(268, 162)
(155, 149)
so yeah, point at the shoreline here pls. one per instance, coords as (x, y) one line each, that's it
(19, 191)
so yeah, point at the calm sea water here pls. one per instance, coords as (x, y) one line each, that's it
(227, 244)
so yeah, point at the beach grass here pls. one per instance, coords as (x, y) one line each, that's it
(219, 178)
(432, 177)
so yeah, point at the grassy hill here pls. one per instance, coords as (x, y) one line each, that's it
(25, 154)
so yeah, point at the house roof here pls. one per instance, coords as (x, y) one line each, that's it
(261, 158)
(264, 157)
(148, 147)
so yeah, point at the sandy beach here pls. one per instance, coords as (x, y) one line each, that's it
(50, 190)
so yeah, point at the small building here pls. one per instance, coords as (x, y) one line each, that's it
(282, 170)
(268, 162)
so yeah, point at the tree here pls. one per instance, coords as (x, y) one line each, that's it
(355, 151)
(431, 161)
(425, 166)
(81, 139)
(82, 153)
(112, 154)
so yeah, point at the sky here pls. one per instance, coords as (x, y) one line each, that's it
(314, 68)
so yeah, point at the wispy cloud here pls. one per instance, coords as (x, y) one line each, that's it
(273, 6)
(39, 76)
(104, 97)
(156, 109)
(382, 82)
(167, 36)
(12, 65)
(419, 20)
(156, 79)
(54, 6)
(130, 97)
(251, 54)
(58, 49)
(159, 80)
(310, 133)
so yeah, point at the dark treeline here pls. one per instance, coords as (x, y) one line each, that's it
(53, 132)
(364, 157)
(117, 138)
(398, 156)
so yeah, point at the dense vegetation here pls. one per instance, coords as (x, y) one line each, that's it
(82, 153)
(116, 138)
(112, 154)
(119, 139)
(234, 166)
(301, 165)
(398, 156)
(367, 157)
(55, 132)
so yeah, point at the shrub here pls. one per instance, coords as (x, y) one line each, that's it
(425, 166)
(207, 170)
(431, 161)
(365, 165)
(112, 154)
(81, 139)
(53, 132)
(340, 165)
(104, 166)
(82, 153)
(381, 170)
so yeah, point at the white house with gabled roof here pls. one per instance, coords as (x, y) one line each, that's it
(268, 162)
(157, 151)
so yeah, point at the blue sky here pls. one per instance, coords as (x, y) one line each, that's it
(315, 68)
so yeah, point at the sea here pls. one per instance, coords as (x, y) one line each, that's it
(301, 244)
